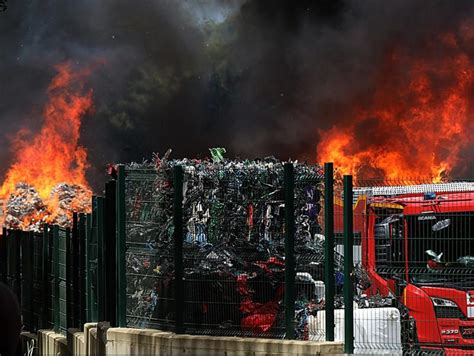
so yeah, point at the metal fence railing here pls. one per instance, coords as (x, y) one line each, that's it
(210, 249)
(258, 248)
(55, 273)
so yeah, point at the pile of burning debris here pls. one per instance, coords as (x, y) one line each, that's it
(25, 210)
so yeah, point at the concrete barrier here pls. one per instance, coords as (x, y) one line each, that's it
(51, 343)
(125, 341)
(75, 342)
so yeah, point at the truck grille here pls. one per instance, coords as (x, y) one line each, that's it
(449, 312)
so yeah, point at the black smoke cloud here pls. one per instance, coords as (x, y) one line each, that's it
(258, 77)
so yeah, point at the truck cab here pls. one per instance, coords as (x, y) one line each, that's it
(417, 244)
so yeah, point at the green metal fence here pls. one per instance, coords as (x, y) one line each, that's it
(207, 248)
(55, 273)
(219, 250)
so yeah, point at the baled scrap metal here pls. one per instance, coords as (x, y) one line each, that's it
(69, 198)
(233, 228)
(234, 225)
(25, 210)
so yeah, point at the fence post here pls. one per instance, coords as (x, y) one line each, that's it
(121, 249)
(100, 260)
(348, 267)
(110, 248)
(82, 269)
(289, 187)
(91, 254)
(75, 271)
(88, 268)
(56, 277)
(3, 255)
(27, 281)
(330, 290)
(69, 281)
(46, 295)
(178, 248)
(18, 265)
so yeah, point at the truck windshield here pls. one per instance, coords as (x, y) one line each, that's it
(441, 249)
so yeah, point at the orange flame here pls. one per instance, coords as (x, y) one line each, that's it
(418, 120)
(54, 155)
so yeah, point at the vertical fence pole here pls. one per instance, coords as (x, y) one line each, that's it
(110, 247)
(178, 248)
(28, 286)
(46, 295)
(18, 265)
(75, 267)
(289, 188)
(121, 248)
(3, 255)
(100, 260)
(91, 254)
(88, 269)
(82, 269)
(330, 290)
(348, 267)
(56, 277)
(69, 281)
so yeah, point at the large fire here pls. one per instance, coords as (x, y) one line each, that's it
(49, 167)
(418, 119)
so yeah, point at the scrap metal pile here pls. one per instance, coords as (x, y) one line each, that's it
(234, 231)
(233, 242)
(25, 210)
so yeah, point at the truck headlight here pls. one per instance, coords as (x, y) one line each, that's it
(445, 308)
(440, 302)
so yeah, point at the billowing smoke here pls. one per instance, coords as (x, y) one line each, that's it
(257, 77)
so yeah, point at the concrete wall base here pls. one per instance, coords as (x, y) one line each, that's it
(51, 343)
(125, 341)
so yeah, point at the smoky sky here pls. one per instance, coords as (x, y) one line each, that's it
(257, 77)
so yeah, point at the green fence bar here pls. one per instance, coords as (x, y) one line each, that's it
(110, 248)
(46, 295)
(89, 289)
(91, 255)
(82, 227)
(17, 262)
(62, 279)
(289, 188)
(3, 255)
(348, 267)
(27, 279)
(121, 248)
(330, 289)
(178, 248)
(69, 279)
(56, 320)
(100, 260)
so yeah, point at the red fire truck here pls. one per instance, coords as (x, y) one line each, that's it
(417, 243)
